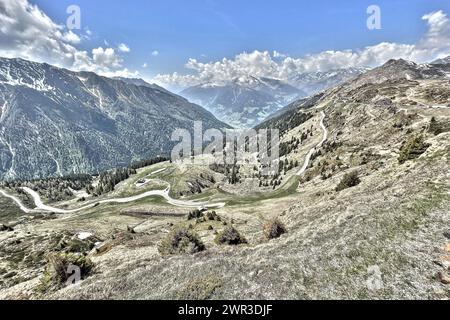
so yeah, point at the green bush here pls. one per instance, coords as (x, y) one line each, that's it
(274, 229)
(412, 148)
(181, 241)
(349, 180)
(230, 236)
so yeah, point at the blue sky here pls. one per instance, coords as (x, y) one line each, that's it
(210, 30)
(181, 29)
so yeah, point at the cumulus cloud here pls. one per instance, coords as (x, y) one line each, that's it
(71, 37)
(124, 48)
(155, 53)
(27, 32)
(106, 58)
(438, 30)
(435, 43)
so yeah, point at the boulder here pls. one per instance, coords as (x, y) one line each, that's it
(447, 234)
(443, 278)
(101, 248)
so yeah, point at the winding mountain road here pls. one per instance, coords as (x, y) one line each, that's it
(311, 152)
(40, 206)
(17, 201)
(154, 193)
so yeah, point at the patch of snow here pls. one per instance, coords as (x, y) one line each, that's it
(440, 107)
(143, 183)
(10, 173)
(3, 110)
(84, 235)
(58, 167)
(37, 84)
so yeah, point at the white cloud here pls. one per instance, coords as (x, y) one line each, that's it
(438, 30)
(435, 43)
(145, 65)
(277, 54)
(106, 58)
(27, 32)
(71, 37)
(124, 48)
(155, 53)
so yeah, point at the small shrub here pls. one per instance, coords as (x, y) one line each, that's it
(274, 229)
(437, 127)
(213, 216)
(412, 148)
(181, 241)
(58, 269)
(196, 214)
(6, 228)
(349, 180)
(230, 236)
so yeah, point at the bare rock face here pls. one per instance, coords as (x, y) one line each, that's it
(57, 122)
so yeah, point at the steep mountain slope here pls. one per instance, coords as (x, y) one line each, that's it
(245, 101)
(54, 121)
(314, 82)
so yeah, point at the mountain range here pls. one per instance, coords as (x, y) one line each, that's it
(57, 122)
(247, 101)
(244, 101)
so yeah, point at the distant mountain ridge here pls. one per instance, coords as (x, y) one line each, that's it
(141, 82)
(56, 122)
(244, 101)
(445, 60)
(313, 82)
